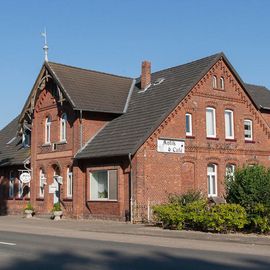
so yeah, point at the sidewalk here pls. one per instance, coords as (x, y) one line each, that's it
(80, 228)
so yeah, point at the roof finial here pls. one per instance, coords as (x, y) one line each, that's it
(45, 48)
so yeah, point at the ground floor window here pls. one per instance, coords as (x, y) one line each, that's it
(69, 183)
(212, 179)
(11, 184)
(230, 171)
(41, 183)
(103, 185)
(20, 189)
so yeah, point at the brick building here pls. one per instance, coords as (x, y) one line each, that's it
(110, 146)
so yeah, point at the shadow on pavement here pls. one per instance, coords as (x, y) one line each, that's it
(111, 260)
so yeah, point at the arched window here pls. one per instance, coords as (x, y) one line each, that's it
(63, 128)
(214, 82)
(212, 180)
(222, 86)
(48, 130)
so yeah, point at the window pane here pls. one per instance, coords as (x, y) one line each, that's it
(210, 122)
(228, 124)
(94, 186)
(248, 129)
(187, 124)
(113, 185)
(99, 185)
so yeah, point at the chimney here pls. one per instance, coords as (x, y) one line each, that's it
(146, 74)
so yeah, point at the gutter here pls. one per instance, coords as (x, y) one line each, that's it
(131, 189)
(81, 130)
(265, 108)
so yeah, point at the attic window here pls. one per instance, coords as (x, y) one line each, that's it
(159, 81)
(12, 140)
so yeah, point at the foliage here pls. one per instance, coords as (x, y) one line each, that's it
(183, 199)
(171, 215)
(225, 217)
(259, 218)
(29, 207)
(56, 207)
(250, 185)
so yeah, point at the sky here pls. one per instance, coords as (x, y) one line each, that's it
(115, 36)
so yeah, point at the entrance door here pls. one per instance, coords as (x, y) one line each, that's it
(56, 193)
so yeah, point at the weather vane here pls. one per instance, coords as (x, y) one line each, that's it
(45, 48)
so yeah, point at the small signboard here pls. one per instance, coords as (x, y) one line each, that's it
(174, 146)
(25, 177)
(52, 188)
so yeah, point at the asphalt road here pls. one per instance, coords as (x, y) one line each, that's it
(29, 251)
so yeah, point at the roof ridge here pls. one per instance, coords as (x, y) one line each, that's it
(191, 62)
(257, 85)
(91, 70)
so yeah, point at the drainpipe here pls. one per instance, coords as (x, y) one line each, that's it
(81, 130)
(131, 189)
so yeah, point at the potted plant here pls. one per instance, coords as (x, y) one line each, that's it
(57, 211)
(29, 210)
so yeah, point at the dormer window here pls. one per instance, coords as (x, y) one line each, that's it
(63, 128)
(26, 138)
(222, 83)
(48, 130)
(214, 81)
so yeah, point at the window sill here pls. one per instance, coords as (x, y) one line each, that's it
(40, 199)
(219, 89)
(18, 199)
(249, 141)
(27, 199)
(10, 198)
(190, 137)
(46, 144)
(230, 140)
(61, 142)
(212, 138)
(105, 200)
(67, 199)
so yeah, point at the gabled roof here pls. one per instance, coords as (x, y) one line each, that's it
(147, 110)
(11, 150)
(260, 95)
(90, 90)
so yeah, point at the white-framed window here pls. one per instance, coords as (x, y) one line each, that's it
(63, 127)
(20, 189)
(212, 179)
(230, 171)
(69, 183)
(103, 185)
(229, 125)
(214, 81)
(210, 122)
(41, 183)
(26, 138)
(222, 84)
(248, 130)
(188, 124)
(48, 130)
(11, 184)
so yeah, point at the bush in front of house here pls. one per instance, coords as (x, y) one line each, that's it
(198, 215)
(188, 197)
(170, 215)
(250, 185)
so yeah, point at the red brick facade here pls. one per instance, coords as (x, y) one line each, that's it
(152, 175)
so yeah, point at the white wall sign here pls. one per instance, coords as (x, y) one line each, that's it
(52, 188)
(25, 177)
(174, 146)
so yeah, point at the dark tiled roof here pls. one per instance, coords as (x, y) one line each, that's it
(12, 153)
(259, 94)
(91, 90)
(147, 110)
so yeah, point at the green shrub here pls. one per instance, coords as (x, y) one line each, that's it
(170, 215)
(225, 217)
(56, 207)
(183, 199)
(250, 185)
(29, 207)
(259, 218)
(195, 214)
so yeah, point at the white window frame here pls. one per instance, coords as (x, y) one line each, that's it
(63, 128)
(230, 173)
(41, 183)
(69, 183)
(222, 83)
(108, 188)
(231, 136)
(20, 189)
(210, 189)
(214, 82)
(189, 118)
(213, 110)
(251, 129)
(48, 123)
(11, 184)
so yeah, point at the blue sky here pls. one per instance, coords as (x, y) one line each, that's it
(115, 36)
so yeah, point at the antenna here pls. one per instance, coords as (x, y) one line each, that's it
(45, 48)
